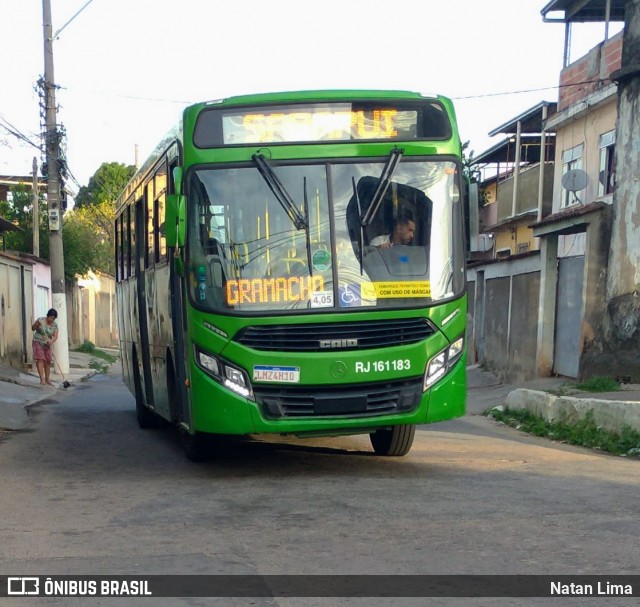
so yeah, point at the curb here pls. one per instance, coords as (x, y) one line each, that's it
(610, 415)
(14, 409)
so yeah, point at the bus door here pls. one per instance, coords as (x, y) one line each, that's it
(144, 350)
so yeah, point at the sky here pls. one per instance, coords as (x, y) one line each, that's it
(126, 68)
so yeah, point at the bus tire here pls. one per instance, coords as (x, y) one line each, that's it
(193, 445)
(146, 418)
(395, 441)
(172, 392)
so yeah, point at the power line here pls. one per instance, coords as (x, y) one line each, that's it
(479, 96)
(12, 130)
(545, 88)
(132, 97)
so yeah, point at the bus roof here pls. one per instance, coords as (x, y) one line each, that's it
(276, 98)
(314, 95)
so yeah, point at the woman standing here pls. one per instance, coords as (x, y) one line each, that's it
(46, 334)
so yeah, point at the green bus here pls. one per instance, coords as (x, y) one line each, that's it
(293, 264)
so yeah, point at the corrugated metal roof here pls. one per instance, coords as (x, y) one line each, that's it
(512, 221)
(531, 120)
(581, 10)
(7, 226)
(570, 213)
(505, 150)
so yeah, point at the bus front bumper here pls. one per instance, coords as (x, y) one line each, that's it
(222, 412)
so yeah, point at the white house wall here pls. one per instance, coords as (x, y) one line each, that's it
(41, 289)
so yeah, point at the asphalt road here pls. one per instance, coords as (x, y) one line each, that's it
(84, 491)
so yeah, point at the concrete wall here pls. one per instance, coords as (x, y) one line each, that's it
(496, 324)
(523, 332)
(623, 282)
(587, 72)
(91, 311)
(471, 351)
(596, 263)
(16, 305)
(503, 321)
(527, 198)
(488, 216)
(91, 307)
(518, 238)
(41, 288)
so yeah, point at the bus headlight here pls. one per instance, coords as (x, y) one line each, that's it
(233, 378)
(209, 363)
(235, 381)
(442, 362)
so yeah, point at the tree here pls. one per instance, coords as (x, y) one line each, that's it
(471, 173)
(89, 228)
(19, 210)
(88, 235)
(106, 184)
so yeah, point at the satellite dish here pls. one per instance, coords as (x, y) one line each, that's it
(575, 180)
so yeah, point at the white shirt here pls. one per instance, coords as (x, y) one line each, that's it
(378, 240)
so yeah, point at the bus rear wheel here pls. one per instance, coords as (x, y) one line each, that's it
(394, 441)
(146, 418)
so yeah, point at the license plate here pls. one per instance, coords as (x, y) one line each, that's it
(289, 375)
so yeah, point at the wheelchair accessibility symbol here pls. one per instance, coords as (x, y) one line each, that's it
(349, 296)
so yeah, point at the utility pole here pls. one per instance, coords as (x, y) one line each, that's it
(52, 144)
(36, 209)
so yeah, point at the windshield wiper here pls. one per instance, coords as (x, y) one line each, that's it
(280, 192)
(383, 183)
(300, 221)
(307, 230)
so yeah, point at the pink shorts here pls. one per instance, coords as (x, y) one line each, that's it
(41, 353)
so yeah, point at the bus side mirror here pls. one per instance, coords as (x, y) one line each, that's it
(175, 222)
(171, 219)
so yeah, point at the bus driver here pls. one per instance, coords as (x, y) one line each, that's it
(404, 228)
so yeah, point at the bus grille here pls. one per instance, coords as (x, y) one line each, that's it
(341, 336)
(398, 396)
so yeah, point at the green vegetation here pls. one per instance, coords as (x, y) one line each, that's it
(88, 240)
(88, 347)
(472, 174)
(563, 390)
(105, 185)
(599, 383)
(584, 433)
(88, 228)
(99, 365)
(18, 210)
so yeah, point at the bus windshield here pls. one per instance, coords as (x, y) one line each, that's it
(331, 249)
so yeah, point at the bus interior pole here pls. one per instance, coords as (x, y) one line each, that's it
(52, 145)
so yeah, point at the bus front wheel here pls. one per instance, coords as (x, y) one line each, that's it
(394, 441)
(193, 445)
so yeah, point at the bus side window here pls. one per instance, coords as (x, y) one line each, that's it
(132, 240)
(149, 256)
(160, 190)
